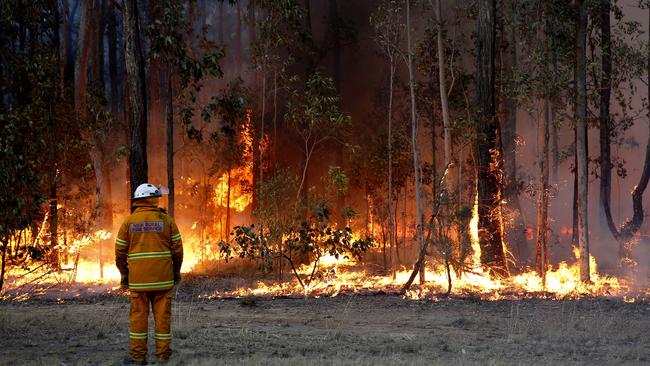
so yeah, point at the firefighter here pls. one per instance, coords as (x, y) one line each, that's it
(149, 254)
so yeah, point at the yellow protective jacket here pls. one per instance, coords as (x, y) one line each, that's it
(148, 248)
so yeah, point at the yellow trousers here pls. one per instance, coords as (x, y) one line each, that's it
(161, 305)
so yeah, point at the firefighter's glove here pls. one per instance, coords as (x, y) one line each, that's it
(124, 282)
(177, 278)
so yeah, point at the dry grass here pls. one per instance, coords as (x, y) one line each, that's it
(347, 330)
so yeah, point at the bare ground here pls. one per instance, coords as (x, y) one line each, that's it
(343, 330)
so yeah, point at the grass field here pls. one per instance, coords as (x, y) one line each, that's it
(343, 330)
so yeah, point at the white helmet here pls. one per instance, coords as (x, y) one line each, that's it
(146, 190)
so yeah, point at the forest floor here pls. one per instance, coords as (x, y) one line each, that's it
(345, 330)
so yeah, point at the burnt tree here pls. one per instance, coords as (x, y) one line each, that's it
(137, 95)
(488, 147)
(581, 136)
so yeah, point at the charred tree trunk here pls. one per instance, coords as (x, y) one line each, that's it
(170, 143)
(228, 194)
(336, 66)
(414, 139)
(541, 247)
(581, 148)
(604, 119)
(392, 231)
(137, 95)
(52, 150)
(256, 140)
(5, 247)
(488, 153)
(155, 129)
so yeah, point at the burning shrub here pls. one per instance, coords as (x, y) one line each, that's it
(313, 238)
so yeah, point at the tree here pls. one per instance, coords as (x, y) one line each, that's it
(186, 73)
(315, 116)
(488, 150)
(581, 136)
(29, 106)
(137, 93)
(414, 134)
(388, 33)
(631, 63)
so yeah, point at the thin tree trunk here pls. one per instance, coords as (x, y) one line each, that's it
(170, 142)
(137, 95)
(228, 204)
(256, 140)
(274, 144)
(5, 247)
(336, 65)
(52, 150)
(604, 119)
(392, 232)
(541, 256)
(414, 138)
(443, 91)
(488, 154)
(66, 46)
(581, 121)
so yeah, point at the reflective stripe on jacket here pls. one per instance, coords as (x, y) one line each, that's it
(148, 248)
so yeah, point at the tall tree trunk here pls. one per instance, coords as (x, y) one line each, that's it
(137, 95)
(516, 233)
(256, 140)
(488, 153)
(581, 148)
(392, 231)
(81, 59)
(52, 150)
(228, 204)
(170, 142)
(632, 226)
(414, 138)
(541, 247)
(604, 118)
(5, 247)
(155, 129)
(442, 81)
(66, 47)
(336, 66)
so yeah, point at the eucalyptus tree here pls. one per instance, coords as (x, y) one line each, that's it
(388, 33)
(488, 148)
(623, 62)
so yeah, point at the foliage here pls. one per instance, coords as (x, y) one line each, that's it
(288, 237)
(308, 239)
(167, 34)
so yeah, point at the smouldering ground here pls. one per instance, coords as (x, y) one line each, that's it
(344, 330)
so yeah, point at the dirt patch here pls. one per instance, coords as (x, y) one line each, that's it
(344, 330)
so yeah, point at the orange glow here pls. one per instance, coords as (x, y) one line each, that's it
(239, 199)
